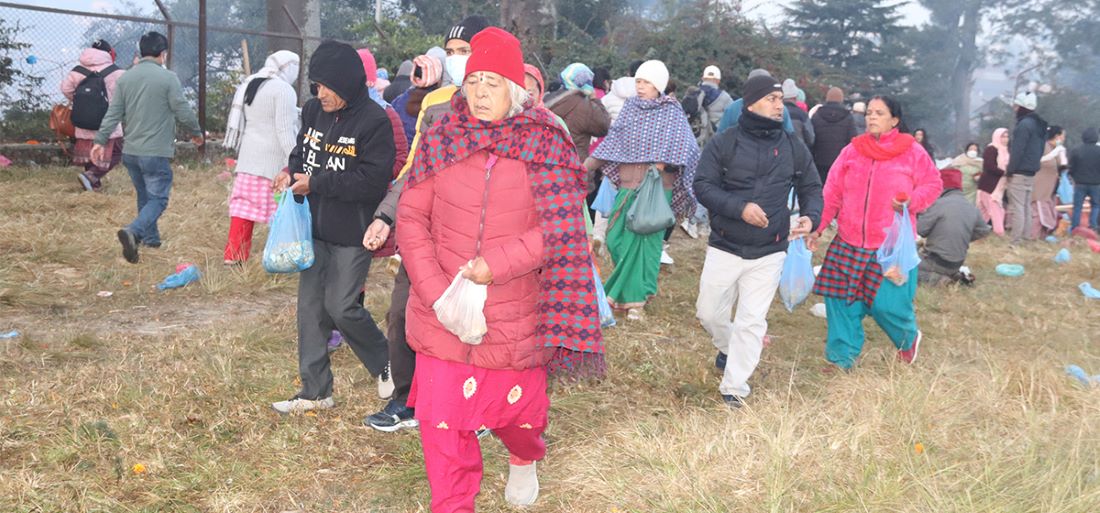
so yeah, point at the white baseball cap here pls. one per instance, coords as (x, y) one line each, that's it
(712, 72)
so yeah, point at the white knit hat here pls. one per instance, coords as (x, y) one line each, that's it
(1027, 100)
(712, 72)
(655, 73)
(790, 89)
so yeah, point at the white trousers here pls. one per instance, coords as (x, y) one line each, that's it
(727, 281)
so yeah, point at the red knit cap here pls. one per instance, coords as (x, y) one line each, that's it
(497, 51)
(369, 66)
(952, 178)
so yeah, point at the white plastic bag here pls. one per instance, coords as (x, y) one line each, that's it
(461, 309)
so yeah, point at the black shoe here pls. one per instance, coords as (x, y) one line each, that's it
(720, 361)
(151, 245)
(129, 246)
(733, 401)
(394, 417)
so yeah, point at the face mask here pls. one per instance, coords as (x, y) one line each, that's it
(456, 68)
(972, 154)
(1058, 143)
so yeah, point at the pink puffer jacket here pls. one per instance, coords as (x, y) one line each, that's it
(439, 220)
(94, 60)
(859, 191)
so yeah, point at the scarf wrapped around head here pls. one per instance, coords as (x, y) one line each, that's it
(569, 316)
(282, 65)
(652, 131)
(578, 76)
(537, 75)
(1002, 149)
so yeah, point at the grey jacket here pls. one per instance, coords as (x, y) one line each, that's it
(949, 226)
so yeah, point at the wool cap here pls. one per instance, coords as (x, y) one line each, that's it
(467, 29)
(790, 89)
(1027, 100)
(655, 73)
(496, 50)
(952, 178)
(758, 87)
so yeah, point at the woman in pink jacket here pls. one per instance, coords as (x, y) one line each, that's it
(877, 174)
(95, 59)
(495, 195)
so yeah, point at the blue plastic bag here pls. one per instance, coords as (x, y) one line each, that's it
(898, 253)
(797, 279)
(607, 317)
(1088, 290)
(1065, 189)
(1062, 256)
(289, 247)
(181, 277)
(604, 202)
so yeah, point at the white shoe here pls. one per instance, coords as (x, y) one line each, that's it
(385, 384)
(296, 405)
(523, 485)
(666, 259)
(690, 229)
(634, 314)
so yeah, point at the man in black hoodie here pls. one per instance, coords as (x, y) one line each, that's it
(744, 178)
(1025, 149)
(1084, 168)
(834, 128)
(343, 163)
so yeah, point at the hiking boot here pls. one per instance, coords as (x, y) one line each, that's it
(733, 401)
(394, 417)
(523, 484)
(335, 340)
(298, 405)
(129, 245)
(910, 355)
(385, 384)
(85, 182)
(151, 245)
(720, 361)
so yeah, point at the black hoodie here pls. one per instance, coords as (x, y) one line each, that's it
(1084, 160)
(348, 154)
(1027, 144)
(834, 128)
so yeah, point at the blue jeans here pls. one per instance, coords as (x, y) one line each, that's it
(1079, 192)
(152, 179)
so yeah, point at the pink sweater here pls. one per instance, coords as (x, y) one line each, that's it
(94, 60)
(859, 190)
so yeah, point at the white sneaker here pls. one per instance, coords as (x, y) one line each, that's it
(634, 314)
(666, 259)
(385, 384)
(297, 405)
(690, 229)
(523, 485)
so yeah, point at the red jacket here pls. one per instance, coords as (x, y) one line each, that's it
(439, 220)
(859, 190)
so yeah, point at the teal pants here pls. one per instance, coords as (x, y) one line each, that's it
(892, 309)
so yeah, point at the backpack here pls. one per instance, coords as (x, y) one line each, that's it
(90, 99)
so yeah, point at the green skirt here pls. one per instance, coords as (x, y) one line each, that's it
(637, 258)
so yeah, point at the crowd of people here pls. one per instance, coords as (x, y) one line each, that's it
(476, 168)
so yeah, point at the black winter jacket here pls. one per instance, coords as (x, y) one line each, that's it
(1026, 146)
(349, 156)
(1084, 160)
(754, 162)
(834, 128)
(803, 128)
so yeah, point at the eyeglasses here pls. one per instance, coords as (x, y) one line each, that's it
(314, 88)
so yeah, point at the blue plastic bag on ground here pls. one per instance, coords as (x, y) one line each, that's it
(1088, 290)
(289, 247)
(898, 253)
(189, 273)
(797, 279)
(605, 198)
(1065, 189)
(607, 317)
(1062, 256)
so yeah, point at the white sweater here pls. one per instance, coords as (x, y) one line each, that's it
(271, 126)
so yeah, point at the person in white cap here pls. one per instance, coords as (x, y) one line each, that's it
(1025, 151)
(859, 114)
(713, 101)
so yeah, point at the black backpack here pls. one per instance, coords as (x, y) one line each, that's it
(90, 99)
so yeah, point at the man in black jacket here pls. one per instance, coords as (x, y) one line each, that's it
(343, 163)
(744, 178)
(834, 128)
(1025, 149)
(1084, 168)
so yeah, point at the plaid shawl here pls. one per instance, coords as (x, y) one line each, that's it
(850, 273)
(651, 131)
(569, 316)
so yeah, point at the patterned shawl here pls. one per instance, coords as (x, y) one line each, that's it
(569, 317)
(651, 131)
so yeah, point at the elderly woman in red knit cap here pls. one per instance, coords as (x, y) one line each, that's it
(495, 196)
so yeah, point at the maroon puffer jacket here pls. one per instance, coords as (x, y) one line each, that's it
(439, 220)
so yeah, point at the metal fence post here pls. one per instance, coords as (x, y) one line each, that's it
(202, 76)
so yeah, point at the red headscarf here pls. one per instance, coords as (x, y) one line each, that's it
(537, 75)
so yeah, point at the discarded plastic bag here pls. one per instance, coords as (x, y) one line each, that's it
(797, 279)
(1062, 256)
(1081, 376)
(1010, 270)
(289, 247)
(185, 274)
(1088, 290)
(898, 253)
(461, 309)
(607, 316)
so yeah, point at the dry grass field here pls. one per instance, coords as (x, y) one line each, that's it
(151, 401)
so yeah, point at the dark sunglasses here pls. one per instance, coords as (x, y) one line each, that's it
(313, 89)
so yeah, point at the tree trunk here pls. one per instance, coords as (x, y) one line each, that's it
(962, 77)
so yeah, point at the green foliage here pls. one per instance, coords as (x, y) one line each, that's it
(395, 40)
(19, 124)
(18, 89)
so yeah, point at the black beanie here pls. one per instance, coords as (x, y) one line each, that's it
(467, 29)
(758, 87)
(337, 66)
(100, 44)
